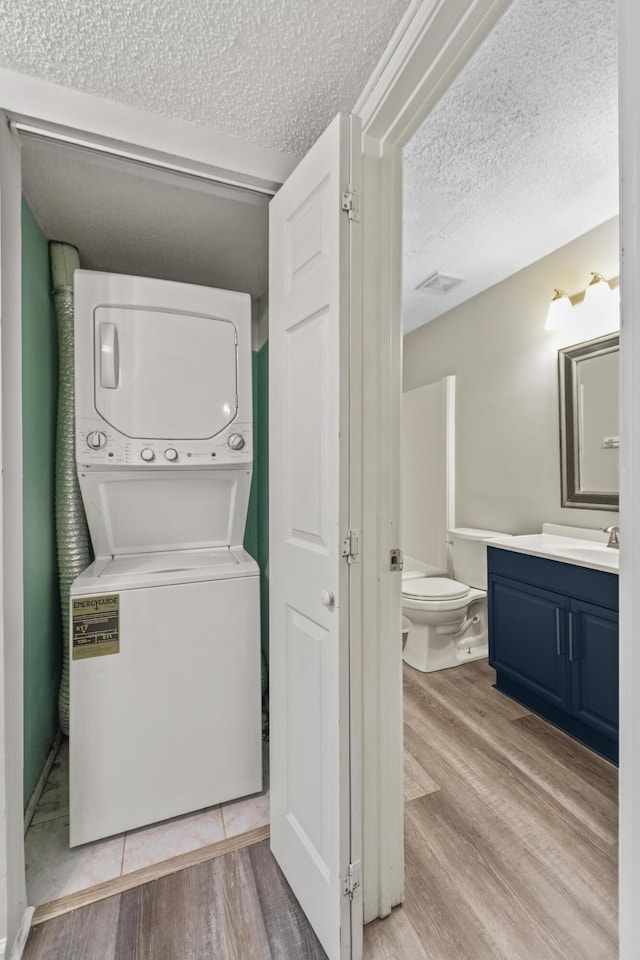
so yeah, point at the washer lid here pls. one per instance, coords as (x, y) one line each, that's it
(137, 511)
(434, 588)
(175, 561)
(115, 575)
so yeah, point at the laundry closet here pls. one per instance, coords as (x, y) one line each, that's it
(171, 304)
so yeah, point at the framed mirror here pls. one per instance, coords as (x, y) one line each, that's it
(589, 430)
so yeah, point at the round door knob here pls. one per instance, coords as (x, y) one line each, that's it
(147, 455)
(327, 598)
(236, 441)
(171, 454)
(96, 439)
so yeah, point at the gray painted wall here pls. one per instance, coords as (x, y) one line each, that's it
(507, 440)
(424, 475)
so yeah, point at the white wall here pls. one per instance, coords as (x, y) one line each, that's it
(507, 439)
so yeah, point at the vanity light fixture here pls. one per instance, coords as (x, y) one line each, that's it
(598, 298)
(598, 295)
(560, 312)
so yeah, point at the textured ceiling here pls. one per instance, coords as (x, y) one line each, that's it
(519, 156)
(146, 223)
(273, 72)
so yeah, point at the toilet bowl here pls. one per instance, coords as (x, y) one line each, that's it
(448, 617)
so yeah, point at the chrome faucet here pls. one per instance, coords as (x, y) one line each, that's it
(614, 536)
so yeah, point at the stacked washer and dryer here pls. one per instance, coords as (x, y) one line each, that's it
(165, 624)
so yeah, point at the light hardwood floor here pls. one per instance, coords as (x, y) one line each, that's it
(510, 832)
(236, 907)
(510, 842)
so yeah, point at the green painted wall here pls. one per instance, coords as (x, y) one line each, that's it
(42, 628)
(256, 539)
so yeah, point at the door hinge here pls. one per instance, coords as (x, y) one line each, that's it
(396, 560)
(350, 547)
(351, 882)
(351, 203)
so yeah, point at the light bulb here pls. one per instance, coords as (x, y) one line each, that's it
(598, 297)
(560, 313)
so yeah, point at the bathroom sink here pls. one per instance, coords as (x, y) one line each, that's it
(589, 553)
(554, 544)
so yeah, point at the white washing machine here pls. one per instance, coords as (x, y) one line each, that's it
(165, 692)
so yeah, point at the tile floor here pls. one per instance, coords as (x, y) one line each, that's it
(54, 870)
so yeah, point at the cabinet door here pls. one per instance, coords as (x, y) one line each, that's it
(527, 638)
(593, 658)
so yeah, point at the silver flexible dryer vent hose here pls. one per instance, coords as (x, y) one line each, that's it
(74, 545)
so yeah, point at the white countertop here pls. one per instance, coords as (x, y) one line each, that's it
(584, 548)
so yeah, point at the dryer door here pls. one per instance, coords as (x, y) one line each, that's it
(164, 375)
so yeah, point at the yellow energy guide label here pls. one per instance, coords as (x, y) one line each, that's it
(95, 626)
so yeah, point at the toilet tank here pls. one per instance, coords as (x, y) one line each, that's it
(469, 554)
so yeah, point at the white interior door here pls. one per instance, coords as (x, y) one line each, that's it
(309, 322)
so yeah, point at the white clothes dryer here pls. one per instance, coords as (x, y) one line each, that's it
(165, 691)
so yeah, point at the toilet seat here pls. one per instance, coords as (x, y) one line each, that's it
(434, 588)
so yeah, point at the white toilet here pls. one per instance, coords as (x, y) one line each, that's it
(448, 617)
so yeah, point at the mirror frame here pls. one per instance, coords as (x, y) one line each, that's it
(568, 359)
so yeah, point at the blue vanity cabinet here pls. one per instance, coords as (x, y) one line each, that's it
(553, 642)
(528, 638)
(593, 657)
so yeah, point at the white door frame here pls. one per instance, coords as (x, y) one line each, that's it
(149, 135)
(12, 885)
(432, 44)
(629, 839)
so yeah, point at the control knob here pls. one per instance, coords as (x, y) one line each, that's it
(236, 441)
(147, 455)
(96, 439)
(171, 454)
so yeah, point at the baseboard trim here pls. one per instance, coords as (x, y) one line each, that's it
(36, 793)
(110, 888)
(20, 941)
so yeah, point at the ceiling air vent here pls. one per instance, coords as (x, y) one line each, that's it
(439, 283)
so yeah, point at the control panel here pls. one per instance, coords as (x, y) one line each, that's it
(97, 445)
